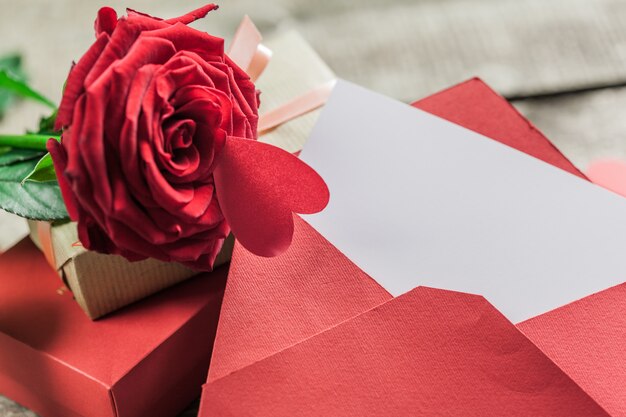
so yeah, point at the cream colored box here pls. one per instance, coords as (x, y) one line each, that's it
(104, 283)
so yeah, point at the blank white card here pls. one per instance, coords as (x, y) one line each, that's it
(416, 200)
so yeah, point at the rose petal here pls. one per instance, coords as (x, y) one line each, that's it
(188, 39)
(193, 15)
(124, 36)
(59, 159)
(129, 152)
(76, 169)
(75, 81)
(106, 21)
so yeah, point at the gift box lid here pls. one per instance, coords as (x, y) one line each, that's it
(147, 359)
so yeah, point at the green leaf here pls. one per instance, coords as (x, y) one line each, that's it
(46, 124)
(11, 63)
(43, 171)
(20, 155)
(33, 200)
(13, 83)
(13, 156)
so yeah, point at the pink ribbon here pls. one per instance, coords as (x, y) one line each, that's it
(247, 51)
(297, 107)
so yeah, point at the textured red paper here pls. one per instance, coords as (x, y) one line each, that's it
(255, 301)
(272, 305)
(426, 353)
(146, 360)
(266, 311)
(259, 186)
(587, 338)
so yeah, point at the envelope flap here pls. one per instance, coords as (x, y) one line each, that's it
(428, 353)
(587, 339)
(273, 303)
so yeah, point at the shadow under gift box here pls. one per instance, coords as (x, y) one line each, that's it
(148, 359)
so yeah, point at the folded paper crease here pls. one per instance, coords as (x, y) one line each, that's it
(444, 353)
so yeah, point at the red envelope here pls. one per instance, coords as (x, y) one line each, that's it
(425, 353)
(272, 305)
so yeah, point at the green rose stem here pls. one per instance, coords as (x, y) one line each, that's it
(30, 141)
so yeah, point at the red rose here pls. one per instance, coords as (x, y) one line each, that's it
(145, 113)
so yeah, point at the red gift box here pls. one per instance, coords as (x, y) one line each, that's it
(149, 359)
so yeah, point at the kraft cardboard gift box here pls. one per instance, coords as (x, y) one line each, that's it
(104, 283)
(148, 359)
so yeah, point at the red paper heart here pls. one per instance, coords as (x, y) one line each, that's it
(259, 186)
(610, 174)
